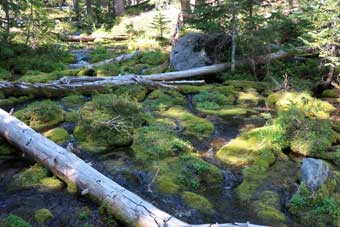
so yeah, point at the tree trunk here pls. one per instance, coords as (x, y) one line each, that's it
(89, 8)
(119, 7)
(76, 8)
(234, 35)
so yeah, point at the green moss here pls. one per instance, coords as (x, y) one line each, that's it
(40, 77)
(336, 126)
(42, 216)
(111, 69)
(106, 122)
(329, 93)
(84, 213)
(186, 172)
(162, 99)
(245, 84)
(87, 72)
(310, 106)
(52, 183)
(41, 114)
(198, 202)
(153, 58)
(12, 101)
(273, 98)
(321, 208)
(100, 53)
(30, 177)
(14, 221)
(158, 142)
(166, 184)
(188, 89)
(225, 111)
(212, 100)
(266, 208)
(6, 149)
(72, 116)
(193, 126)
(58, 135)
(4, 74)
(249, 97)
(134, 91)
(72, 101)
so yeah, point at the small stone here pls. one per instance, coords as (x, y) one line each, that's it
(314, 172)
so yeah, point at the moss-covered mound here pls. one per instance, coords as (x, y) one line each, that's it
(134, 91)
(194, 127)
(249, 97)
(58, 135)
(198, 202)
(262, 87)
(73, 101)
(267, 208)
(320, 208)
(14, 221)
(158, 142)
(106, 122)
(42, 216)
(36, 176)
(187, 173)
(41, 114)
(162, 99)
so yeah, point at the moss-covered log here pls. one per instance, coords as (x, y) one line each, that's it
(126, 206)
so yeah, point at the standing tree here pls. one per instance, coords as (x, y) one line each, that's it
(160, 23)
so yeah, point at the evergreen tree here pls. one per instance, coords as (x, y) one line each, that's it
(160, 23)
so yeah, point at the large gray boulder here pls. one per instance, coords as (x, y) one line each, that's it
(314, 173)
(197, 49)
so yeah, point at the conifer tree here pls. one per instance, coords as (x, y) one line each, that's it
(160, 23)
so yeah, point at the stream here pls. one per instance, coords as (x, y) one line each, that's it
(120, 166)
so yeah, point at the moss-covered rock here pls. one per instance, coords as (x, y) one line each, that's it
(318, 209)
(106, 122)
(41, 114)
(58, 135)
(158, 142)
(194, 127)
(162, 99)
(72, 101)
(186, 172)
(36, 176)
(266, 208)
(197, 202)
(42, 216)
(14, 221)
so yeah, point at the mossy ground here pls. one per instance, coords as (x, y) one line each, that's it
(42, 216)
(41, 114)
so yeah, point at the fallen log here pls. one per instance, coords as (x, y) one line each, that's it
(91, 38)
(82, 84)
(126, 206)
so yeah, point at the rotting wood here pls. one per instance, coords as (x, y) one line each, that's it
(125, 205)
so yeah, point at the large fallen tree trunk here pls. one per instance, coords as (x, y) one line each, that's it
(91, 38)
(84, 84)
(126, 206)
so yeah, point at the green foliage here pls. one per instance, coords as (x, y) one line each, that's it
(5, 75)
(134, 91)
(100, 53)
(162, 99)
(84, 213)
(73, 101)
(153, 57)
(211, 100)
(41, 114)
(111, 69)
(14, 221)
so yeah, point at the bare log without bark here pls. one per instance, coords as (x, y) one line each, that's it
(127, 206)
(91, 38)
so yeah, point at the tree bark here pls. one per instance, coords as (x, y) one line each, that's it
(119, 7)
(234, 35)
(126, 206)
(89, 8)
